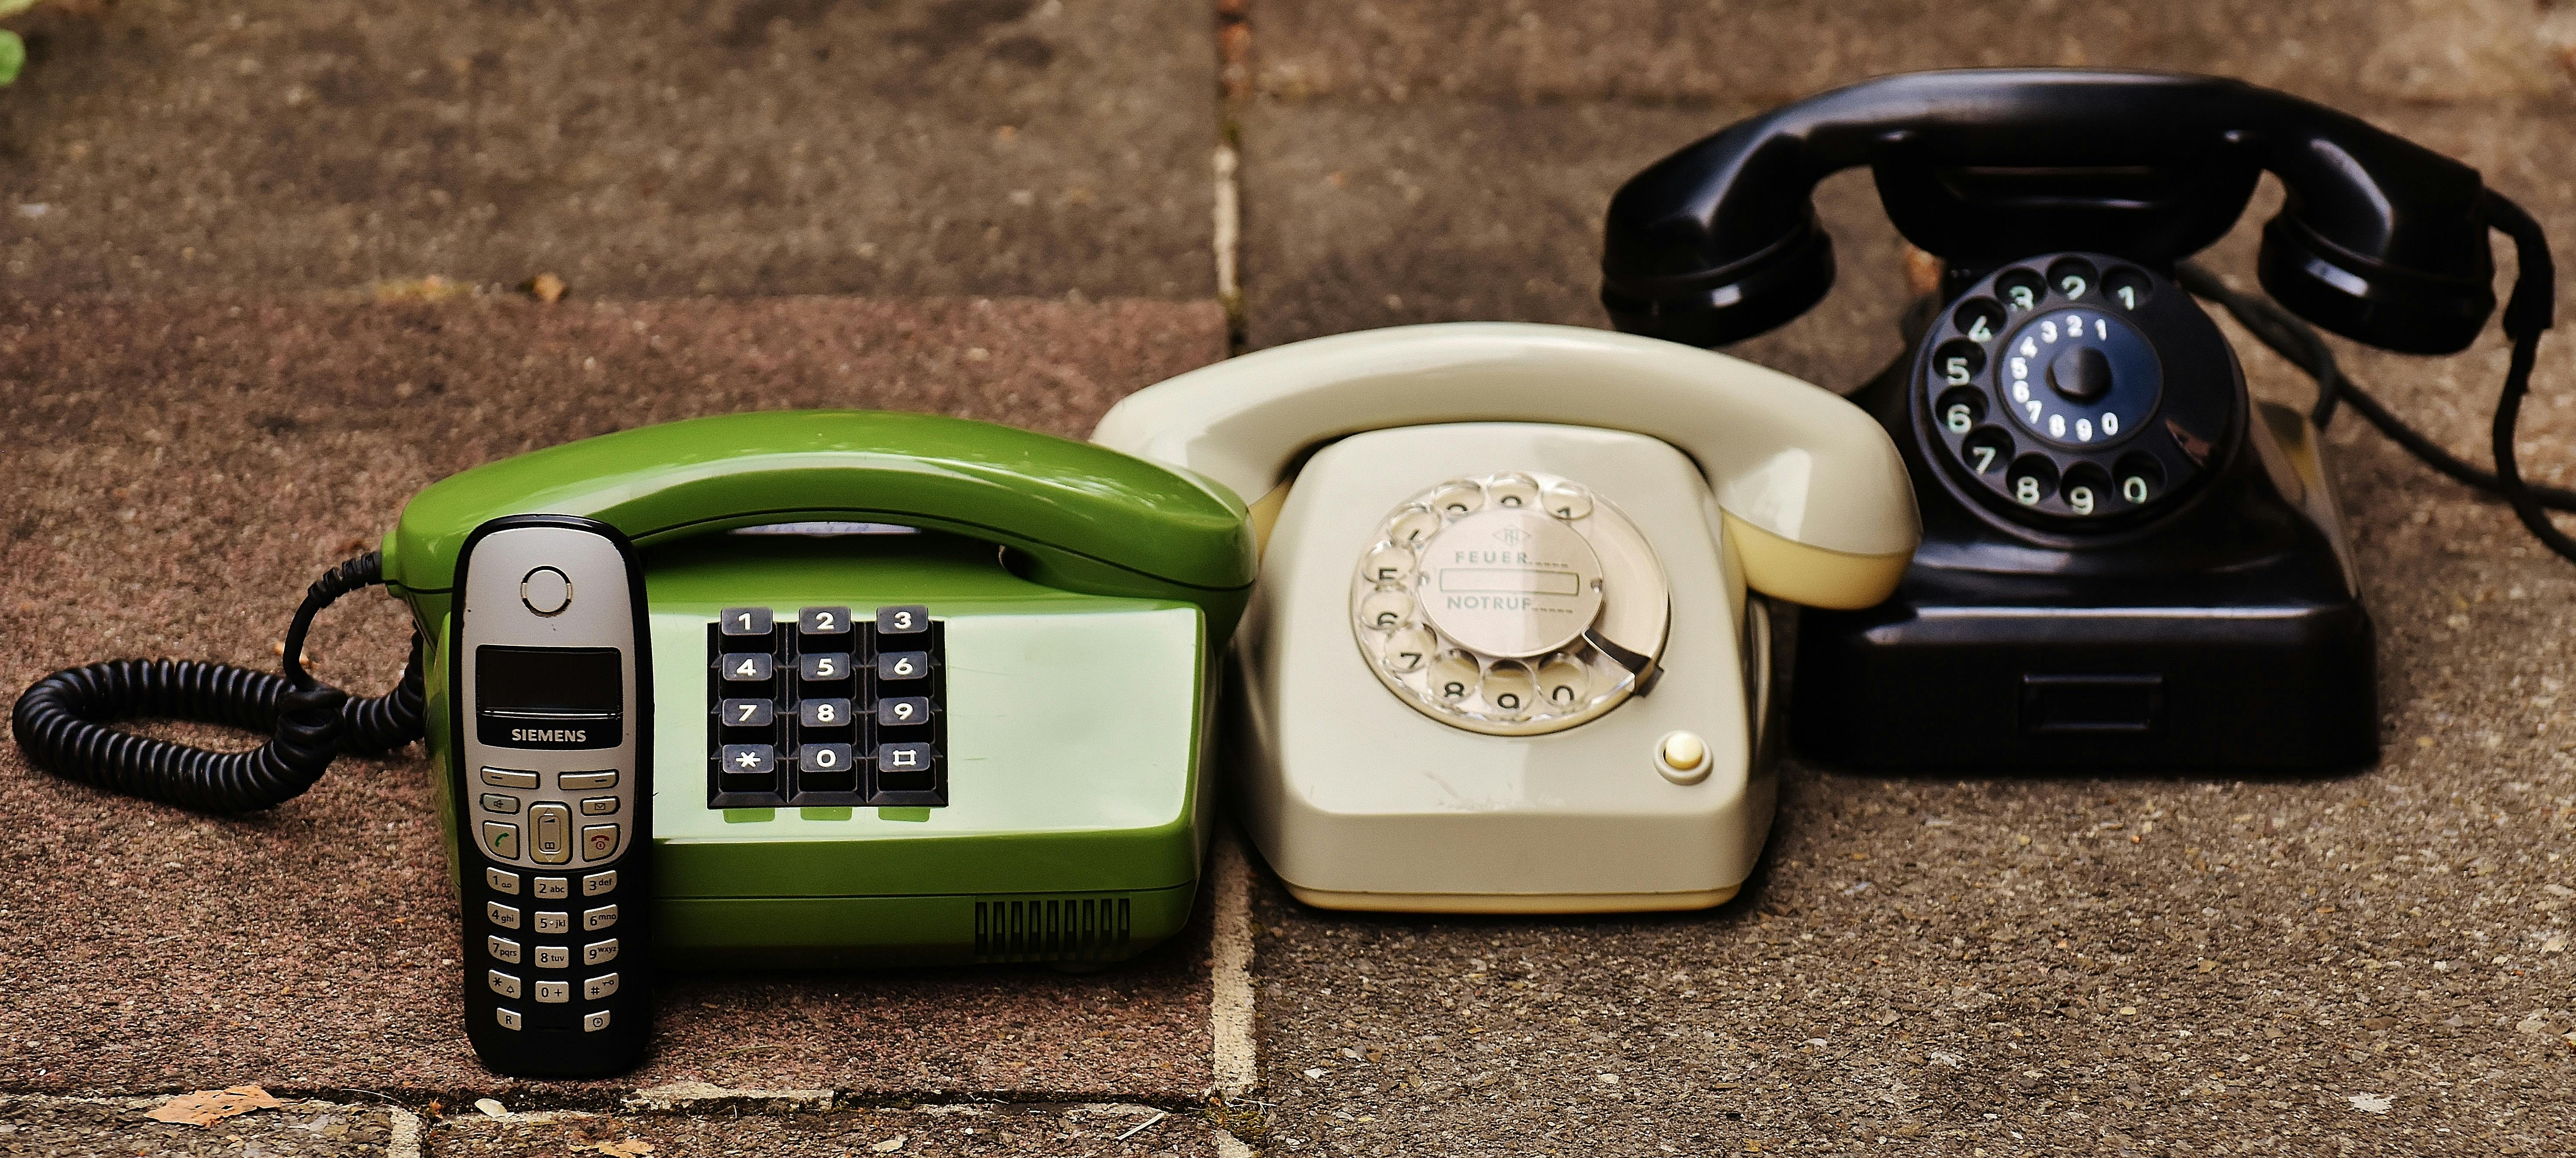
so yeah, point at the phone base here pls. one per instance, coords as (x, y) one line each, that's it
(1530, 904)
(2282, 686)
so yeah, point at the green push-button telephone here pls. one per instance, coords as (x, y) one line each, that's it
(783, 689)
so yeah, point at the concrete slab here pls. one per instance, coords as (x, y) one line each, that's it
(1359, 215)
(1768, 51)
(123, 1126)
(178, 471)
(742, 147)
(1108, 1131)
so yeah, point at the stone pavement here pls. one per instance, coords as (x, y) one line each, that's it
(225, 362)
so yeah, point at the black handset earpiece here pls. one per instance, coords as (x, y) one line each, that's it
(2381, 240)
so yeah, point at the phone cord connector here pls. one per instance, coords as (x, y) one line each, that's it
(62, 720)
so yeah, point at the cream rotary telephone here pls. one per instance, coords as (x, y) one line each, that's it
(1506, 652)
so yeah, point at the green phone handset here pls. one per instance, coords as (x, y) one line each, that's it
(787, 688)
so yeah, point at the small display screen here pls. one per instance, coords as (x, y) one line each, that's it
(568, 681)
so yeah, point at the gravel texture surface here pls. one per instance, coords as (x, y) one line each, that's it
(640, 150)
(963, 1131)
(121, 1126)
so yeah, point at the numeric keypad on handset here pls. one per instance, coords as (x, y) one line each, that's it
(829, 707)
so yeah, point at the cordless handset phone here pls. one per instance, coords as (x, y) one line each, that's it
(2127, 561)
(553, 790)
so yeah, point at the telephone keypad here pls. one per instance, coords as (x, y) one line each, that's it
(502, 836)
(539, 965)
(586, 781)
(594, 1022)
(599, 806)
(549, 834)
(509, 1018)
(500, 802)
(844, 708)
(598, 842)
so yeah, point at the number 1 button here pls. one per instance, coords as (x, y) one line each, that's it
(746, 621)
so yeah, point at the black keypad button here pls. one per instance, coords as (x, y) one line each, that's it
(824, 621)
(740, 621)
(746, 713)
(826, 667)
(903, 711)
(911, 619)
(825, 768)
(823, 713)
(902, 666)
(749, 759)
(904, 767)
(747, 667)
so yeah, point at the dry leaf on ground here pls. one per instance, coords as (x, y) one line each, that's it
(890, 1145)
(206, 1107)
(630, 1148)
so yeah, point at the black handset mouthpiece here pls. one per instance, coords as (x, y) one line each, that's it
(2380, 240)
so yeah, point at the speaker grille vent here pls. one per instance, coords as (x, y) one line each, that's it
(1069, 929)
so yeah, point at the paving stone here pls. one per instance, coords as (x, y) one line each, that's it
(178, 471)
(1358, 215)
(642, 150)
(928, 1130)
(1769, 51)
(122, 1126)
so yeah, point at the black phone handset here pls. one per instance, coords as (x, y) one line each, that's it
(2117, 539)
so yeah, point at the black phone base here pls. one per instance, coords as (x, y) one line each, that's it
(1963, 676)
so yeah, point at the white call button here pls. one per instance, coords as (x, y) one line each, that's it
(1511, 581)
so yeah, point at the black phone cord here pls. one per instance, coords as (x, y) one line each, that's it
(2294, 340)
(2527, 313)
(62, 720)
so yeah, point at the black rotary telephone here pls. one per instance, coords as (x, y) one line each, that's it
(2126, 562)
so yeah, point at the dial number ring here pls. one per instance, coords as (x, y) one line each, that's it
(1488, 620)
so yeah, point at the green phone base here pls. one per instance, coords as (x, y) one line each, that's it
(923, 691)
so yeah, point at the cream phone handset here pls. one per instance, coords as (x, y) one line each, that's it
(1520, 532)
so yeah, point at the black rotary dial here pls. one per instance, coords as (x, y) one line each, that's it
(2075, 388)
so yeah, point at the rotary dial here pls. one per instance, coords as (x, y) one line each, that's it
(2051, 386)
(1511, 604)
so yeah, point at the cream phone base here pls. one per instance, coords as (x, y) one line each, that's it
(1514, 582)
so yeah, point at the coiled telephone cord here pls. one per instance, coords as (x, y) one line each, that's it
(62, 720)
(2526, 314)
